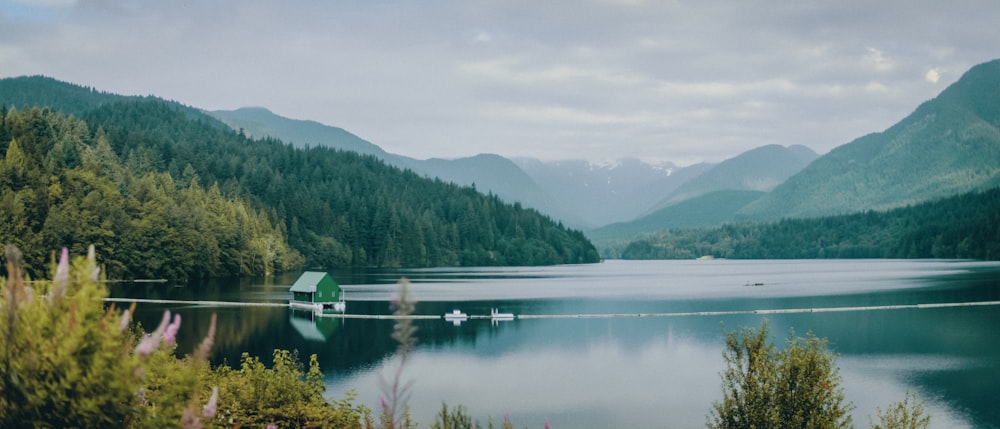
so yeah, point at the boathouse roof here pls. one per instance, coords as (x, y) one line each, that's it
(308, 281)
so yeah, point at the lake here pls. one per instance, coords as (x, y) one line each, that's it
(600, 372)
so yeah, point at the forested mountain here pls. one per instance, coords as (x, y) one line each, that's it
(162, 195)
(259, 123)
(77, 100)
(965, 226)
(759, 169)
(488, 173)
(949, 145)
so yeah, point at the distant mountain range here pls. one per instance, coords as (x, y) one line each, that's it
(611, 192)
(577, 192)
(948, 146)
(761, 169)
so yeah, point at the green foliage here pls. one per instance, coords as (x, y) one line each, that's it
(283, 395)
(908, 414)
(146, 226)
(66, 363)
(456, 418)
(764, 387)
(964, 226)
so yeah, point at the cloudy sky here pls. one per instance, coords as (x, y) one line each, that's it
(681, 81)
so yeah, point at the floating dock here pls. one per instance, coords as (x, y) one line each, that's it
(575, 316)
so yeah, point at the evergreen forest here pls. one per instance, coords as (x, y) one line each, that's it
(964, 226)
(163, 192)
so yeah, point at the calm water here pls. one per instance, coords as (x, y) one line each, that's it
(629, 372)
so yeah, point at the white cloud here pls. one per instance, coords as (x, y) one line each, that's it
(522, 71)
(933, 75)
(879, 61)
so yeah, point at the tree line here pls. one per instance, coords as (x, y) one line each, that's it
(165, 195)
(963, 226)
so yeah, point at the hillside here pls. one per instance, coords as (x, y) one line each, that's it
(258, 122)
(966, 226)
(76, 100)
(949, 145)
(488, 173)
(165, 182)
(760, 169)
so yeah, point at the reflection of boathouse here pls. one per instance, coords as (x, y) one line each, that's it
(316, 291)
(314, 327)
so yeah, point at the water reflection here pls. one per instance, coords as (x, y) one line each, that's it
(313, 327)
(630, 372)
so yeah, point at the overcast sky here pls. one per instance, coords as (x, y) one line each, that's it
(681, 81)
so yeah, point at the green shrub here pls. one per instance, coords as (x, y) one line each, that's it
(763, 387)
(908, 414)
(67, 360)
(257, 396)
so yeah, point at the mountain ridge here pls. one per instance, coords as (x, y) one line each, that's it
(758, 169)
(947, 146)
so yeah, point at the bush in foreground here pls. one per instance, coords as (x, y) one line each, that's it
(794, 387)
(69, 362)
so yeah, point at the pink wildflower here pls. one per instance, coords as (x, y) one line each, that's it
(170, 335)
(62, 271)
(141, 394)
(61, 278)
(95, 275)
(206, 344)
(150, 342)
(546, 423)
(126, 318)
(147, 345)
(213, 403)
(272, 426)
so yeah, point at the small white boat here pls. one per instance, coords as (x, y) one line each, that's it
(456, 317)
(456, 314)
(495, 315)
